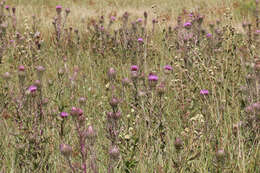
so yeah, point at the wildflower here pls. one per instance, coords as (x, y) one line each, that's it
(257, 65)
(6, 76)
(112, 18)
(114, 152)
(82, 100)
(114, 102)
(178, 144)
(90, 133)
(139, 20)
(125, 81)
(64, 114)
(58, 9)
(161, 89)
(154, 21)
(204, 92)
(111, 73)
(7, 7)
(153, 78)
(220, 154)
(145, 14)
(140, 40)
(40, 70)
(31, 90)
(187, 25)
(134, 68)
(167, 69)
(67, 11)
(21, 68)
(209, 35)
(65, 150)
(116, 115)
(76, 111)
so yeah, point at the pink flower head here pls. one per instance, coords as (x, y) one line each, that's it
(153, 77)
(32, 88)
(58, 9)
(21, 68)
(140, 40)
(204, 92)
(187, 25)
(209, 35)
(7, 7)
(134, 68)
(168, 67)
(112, 18)
(76, 111)
(139, 20)
(64, 114)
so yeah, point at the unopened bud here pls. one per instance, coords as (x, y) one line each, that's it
(65, 150)
(220, 154)
(114, 152)
(178, 144)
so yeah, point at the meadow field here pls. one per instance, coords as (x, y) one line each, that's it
(129, 86)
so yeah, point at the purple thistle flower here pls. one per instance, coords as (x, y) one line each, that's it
(153, 77)
(187, 25)
(134, 68)
(209, 35)
(7, 7)
(32, 88)
(140, 40)
(168, 67)
(139, 20)
(58, 9)
(64, 114)
(21, 68)
(112, 18)
(204, 92)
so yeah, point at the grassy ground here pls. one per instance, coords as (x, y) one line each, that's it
(72, 101)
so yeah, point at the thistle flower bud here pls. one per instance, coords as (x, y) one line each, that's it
(13, 10)
(76, 111)
(82, 101)
(38, 83)
(117, 115)
(111, 73)
(125, 81)
(114, 102)
(109, 115)
(161, 89)
(145, 14)
(65, 150)
(178, 144)
(7, 76)
(67, 11)
(257, 65)
(90, 133)
(114, 152)
(134, 75)
(40, 71)
(220, 154)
